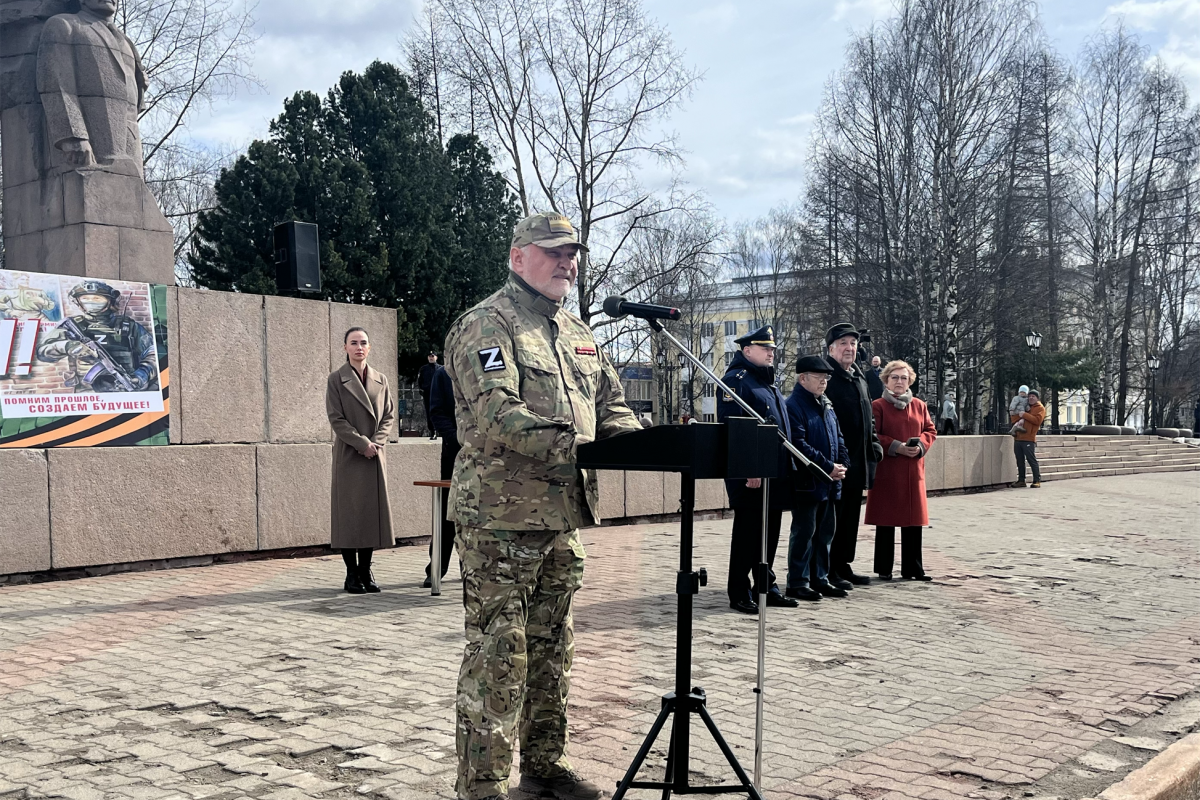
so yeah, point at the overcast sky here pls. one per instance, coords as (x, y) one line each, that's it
(764, 63)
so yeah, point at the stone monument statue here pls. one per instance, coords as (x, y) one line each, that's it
(75, 201)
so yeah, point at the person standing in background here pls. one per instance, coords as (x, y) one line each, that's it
(851, 399)
(441, 413)
(358, 402)
(949, 415)
(1025, 444)
(897, 500)
(425, 384)
(752, 375)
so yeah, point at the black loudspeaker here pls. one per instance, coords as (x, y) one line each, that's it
(297, 257)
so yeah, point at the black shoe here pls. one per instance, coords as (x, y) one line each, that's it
(427, 583)
(847, 574)
(884, 576)
(839, 583)
(368, 582)
(354, 584)
(828, 590)
(803, 593)
(776, 599)
(921, 577)
(1017, 485)
(746, 606)
(568, 786)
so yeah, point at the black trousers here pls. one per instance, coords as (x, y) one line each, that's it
(450, 448)
(428, 418)
(1027, 451)
(910, 550)
(359, 559)
(845, 535)
(949, 427)
(745, 548)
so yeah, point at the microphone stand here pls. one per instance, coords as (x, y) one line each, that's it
(762, 572)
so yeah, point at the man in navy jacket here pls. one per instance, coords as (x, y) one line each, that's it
(815, 432)
(752, 376)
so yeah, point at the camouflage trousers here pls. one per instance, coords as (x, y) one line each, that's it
(516, 670)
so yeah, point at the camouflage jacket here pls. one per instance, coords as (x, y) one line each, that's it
(530, 386)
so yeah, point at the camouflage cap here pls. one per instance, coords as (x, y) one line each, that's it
(548, 229)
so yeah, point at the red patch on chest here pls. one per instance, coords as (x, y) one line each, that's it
(585, 351)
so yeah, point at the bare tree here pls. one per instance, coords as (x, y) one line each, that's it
(574, 94)
(195, 52)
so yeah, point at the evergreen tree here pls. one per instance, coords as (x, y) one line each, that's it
(402, 222)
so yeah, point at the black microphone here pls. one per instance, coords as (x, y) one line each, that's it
(620, 307)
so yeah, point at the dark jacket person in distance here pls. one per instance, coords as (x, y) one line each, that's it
(751, 375)
(851, 398)
(441, 417)
(816, 434)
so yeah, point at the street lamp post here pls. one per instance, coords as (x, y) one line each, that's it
(680, 362)
(1153, 363)
(1033, 340)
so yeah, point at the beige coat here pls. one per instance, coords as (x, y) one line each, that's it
(362, 516)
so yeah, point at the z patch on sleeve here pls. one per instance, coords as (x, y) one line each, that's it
(491, 360)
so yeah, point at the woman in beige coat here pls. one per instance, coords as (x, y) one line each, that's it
(358, 402)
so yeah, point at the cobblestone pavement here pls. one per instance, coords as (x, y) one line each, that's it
(1060, 619)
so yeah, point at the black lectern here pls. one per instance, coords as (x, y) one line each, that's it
(740, 449)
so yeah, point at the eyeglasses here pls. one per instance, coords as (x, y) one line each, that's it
(818, 376)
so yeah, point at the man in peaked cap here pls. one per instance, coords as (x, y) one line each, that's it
(752, 375)
(530, 385)
(851, 397)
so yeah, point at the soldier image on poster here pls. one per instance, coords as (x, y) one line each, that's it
(107, 350)
(26, 302)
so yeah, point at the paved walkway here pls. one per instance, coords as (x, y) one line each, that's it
(1060, 617)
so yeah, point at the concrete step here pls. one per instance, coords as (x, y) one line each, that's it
(1117, 460)
(1100, 473)
(1091, 457)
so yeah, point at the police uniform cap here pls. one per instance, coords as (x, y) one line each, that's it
(95, 287)
(813, 364)
(764, 337)
(548, 229)
(839, 330)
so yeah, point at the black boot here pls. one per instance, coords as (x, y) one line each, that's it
(368, 581)
(353, 583)
(364, 571)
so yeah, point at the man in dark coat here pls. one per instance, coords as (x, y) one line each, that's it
(425, 384)
(851, 400)
(752, 375)
(815, 432)
(441, 415)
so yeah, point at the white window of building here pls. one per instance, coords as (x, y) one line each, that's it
(731, 327)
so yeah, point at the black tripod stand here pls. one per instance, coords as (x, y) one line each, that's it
(744, 447)
(738, 449)
(686, 700)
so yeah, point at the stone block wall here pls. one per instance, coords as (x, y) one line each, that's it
(89, 507)
(248, 369)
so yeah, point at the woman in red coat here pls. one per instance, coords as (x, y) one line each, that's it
(897, 498)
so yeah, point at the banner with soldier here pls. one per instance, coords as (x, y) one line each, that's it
(83, 362)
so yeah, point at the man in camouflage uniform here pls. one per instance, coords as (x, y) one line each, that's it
(128, 344)
(530, 386)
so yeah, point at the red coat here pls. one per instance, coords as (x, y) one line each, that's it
(898, 496)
